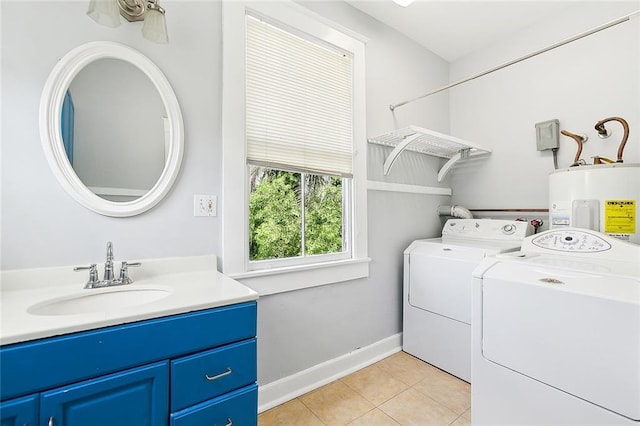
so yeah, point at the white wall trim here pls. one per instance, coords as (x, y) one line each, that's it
(281, 280)
(288, 388)
(234, 212)
(374, 185)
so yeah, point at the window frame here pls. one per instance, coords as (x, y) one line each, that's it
(235, 206)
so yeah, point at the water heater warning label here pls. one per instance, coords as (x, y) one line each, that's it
(620, 216)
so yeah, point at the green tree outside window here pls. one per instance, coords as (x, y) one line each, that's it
(282, 204)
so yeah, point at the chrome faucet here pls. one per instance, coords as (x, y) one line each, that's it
(109, 277)
(108, 265)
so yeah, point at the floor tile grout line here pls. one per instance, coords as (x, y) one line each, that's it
(389, 414)
(457, 418)
(375, 404)
(441, 403)
(364, 414)
(310, 410)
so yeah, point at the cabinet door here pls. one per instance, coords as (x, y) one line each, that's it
(19, 411)
(136, 397)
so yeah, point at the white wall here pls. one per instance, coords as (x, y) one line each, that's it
(578, 84)
(42, 226)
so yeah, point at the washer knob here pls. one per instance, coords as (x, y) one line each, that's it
(509, 229)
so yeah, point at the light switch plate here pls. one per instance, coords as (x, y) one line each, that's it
(205, 205)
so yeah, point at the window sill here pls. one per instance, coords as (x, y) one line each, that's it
(281, 280)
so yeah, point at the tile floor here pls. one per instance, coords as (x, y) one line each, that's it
(399, 390)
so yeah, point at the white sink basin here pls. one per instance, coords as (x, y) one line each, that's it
(88, 301)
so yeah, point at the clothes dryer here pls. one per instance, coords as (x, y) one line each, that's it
(556, 332)
(437, 288)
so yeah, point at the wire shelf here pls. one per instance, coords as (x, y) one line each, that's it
(429, 142)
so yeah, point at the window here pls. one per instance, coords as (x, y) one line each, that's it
(296, 215)
(299, 116)
(295, 161)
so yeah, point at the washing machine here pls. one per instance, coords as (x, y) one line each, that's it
(437, 288)
(556, 332)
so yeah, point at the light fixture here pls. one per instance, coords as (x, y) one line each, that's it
(155, 26)
(106, 12)
(403, 3)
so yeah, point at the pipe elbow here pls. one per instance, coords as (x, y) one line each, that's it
(455, 211)
(580, 139)
(602, 131)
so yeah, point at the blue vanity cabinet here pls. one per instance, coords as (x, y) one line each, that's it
(19, 411)
(142, 373)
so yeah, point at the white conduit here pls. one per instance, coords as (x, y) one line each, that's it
(522, 58)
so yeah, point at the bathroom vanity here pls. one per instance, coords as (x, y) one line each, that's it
(175, 346)
(188, 358)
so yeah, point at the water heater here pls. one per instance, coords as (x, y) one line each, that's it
(601, 197)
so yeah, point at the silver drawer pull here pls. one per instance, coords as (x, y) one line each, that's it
(218, 376)
(50, 422)
(229, 422)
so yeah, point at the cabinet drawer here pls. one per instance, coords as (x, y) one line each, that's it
(238, 408)
(206, 375)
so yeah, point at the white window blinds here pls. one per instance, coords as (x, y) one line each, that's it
(299, 102)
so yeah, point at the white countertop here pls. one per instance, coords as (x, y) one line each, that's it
(192, 284)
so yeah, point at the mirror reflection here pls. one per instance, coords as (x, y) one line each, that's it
(114, 129)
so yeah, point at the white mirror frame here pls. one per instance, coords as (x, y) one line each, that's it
(51, 133)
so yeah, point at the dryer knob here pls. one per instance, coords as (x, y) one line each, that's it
(508, 229)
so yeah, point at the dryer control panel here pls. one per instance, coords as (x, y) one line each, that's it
(486, 229)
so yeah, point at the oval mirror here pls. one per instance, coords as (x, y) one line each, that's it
(111, 129)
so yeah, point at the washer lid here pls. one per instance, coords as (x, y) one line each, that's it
(437, 246)
(577, 332)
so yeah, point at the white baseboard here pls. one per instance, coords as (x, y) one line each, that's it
(290, 387)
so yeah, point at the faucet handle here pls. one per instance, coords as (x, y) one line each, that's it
(93, 274)
(124, 272)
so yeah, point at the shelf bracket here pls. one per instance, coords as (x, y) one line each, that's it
(461, 155)
(393, 156)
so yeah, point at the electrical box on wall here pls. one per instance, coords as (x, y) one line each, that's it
(548, 135)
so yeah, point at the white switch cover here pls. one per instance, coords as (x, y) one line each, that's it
(205, 205)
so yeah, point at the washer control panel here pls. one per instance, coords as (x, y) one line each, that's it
(487, 229)
(508, 229)
(571, 241)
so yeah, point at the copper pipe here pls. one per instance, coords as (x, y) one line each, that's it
(601, 130)
(579, 139)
